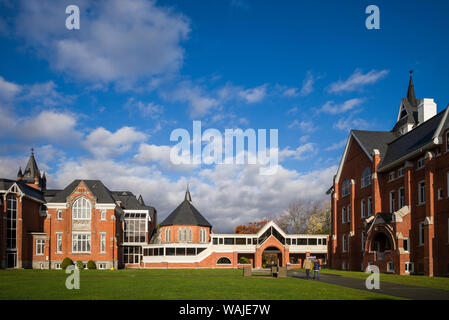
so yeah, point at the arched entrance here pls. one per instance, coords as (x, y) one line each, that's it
(271, 256)
(381, 243)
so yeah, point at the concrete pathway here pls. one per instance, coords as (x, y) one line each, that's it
(388, 288)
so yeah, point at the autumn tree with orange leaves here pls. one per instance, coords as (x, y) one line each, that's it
(251, 227)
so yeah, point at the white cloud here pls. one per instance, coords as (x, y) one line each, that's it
(293, 110)
(302, 152)
(46, 94)
(332, 108)
(291, 92)
(357, 80)
(103, 143)
(51, 126)
(348, 124)
(306, 126)
(150, 153)
(336, 145)
(227, 195)
(307, 84)
(254, 95)
(149, 109)
(8, 90)
(118, 39)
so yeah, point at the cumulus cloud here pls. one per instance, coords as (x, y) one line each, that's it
(300, 153)
(254, 95)
(332, 108)
(307, 84)
(226, 194)
(357, 80)
(337, 145)
(8, 90)
(103, 143)
(118, 39)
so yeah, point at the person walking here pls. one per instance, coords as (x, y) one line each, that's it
(308, 265)
(316, 270)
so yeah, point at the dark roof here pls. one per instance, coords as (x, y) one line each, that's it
(129, 201)
(374, 140)
(97, 188)
(412, 140)
(186, 214)
(5, 184)
(31, 170)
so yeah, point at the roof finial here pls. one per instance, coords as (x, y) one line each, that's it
(32, 151)
(411, 91)
(188, 197)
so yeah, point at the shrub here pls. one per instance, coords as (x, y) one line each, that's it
(244, 260)
(66, 262)
(91, 265)
(80, 265)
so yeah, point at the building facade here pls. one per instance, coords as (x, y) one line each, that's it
(87, 221)
(390, 196)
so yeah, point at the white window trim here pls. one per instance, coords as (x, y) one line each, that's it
(362, 209)
(391, 176)
(408, 244)
(90, 240)
(103, 215)
(42, 241)
(343, 215)
(409, 264)
(390, 268)
(75, 203)
(57, 248)
(348, 212)
(59, 215)
(421, 201)
(102, 234)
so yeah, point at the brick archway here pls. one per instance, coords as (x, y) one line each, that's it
(271, 241)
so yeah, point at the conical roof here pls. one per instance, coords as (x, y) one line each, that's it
(31, 170)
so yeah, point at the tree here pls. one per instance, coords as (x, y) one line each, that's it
(251, 227)
(320, 221)
(305, 217)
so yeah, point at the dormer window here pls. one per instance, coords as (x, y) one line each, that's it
(403, 112)
(401, 172)
(421, 163)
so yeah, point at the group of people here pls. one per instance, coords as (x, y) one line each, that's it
(310, 264)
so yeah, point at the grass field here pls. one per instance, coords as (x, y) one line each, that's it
(169, 284)
(420, 281)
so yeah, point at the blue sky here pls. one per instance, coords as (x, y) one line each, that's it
(101, 102)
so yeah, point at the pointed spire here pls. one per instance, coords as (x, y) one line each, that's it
(188, 197)
(411, 91)
(31, 170)
(140, 199)
(19, 174)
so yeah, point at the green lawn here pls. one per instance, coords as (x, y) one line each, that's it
(168, 284)
(421, 281)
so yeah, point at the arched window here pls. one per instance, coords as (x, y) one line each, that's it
(223, 260)
(167, 236)
(346, 188)
(81, 209)
(366, 177)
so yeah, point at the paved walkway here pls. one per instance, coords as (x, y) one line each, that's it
(388, 288)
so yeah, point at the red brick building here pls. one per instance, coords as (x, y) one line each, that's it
(84, 221)
(390, 196)
(87, 221)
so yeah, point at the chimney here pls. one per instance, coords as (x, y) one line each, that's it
(426, 110)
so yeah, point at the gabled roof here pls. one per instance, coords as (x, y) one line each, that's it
(31, 170)
(412, 141)
(371, 140)
(98, 189)
(6, 184)
(186, 214)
